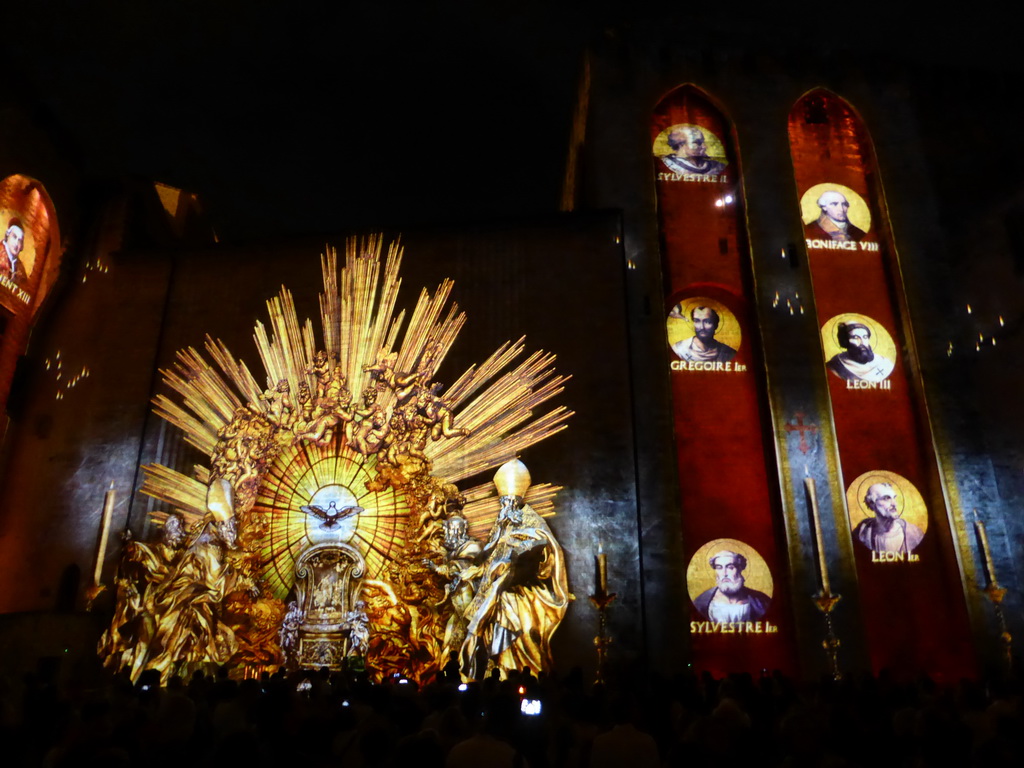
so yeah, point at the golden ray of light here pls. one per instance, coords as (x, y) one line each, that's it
(499, 403)
(482, 505)
(377, 557)
(184, 493)
(236, 371)
(302, 471)
(363, 318)
(197, 433)
(204, 391)
(424, 329)
(392, 335)
(475, 377)
(364, 495)
(495, 413)
(281, 486)
(330, 303)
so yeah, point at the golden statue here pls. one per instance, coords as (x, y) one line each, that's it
(126, 643)
(522, 591)
(186, 603)
(460, 574)
(324, 526)
(372, 426)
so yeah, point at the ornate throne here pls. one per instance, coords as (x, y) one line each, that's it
(327, 583)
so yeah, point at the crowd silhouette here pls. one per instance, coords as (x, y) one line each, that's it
(318, 718)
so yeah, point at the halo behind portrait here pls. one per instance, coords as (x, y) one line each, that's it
(881, 340)
(712, 144)
(27, 256)
(859, 213)
(680, 324)
(700, 576)
(909, 502)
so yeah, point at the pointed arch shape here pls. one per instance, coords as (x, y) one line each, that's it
(27, 268)
(719, 405)
(877, 403)
(822, 121)
(30, 253)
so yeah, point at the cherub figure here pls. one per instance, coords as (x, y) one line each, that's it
(332, 408)
(372, 429)
(370, 433)
(410, 387)
(439, 415)
(279, 403)
(397, 443)
(383, 372)
(321, 369)
(305, 410)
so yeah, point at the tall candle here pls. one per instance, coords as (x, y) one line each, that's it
(812, 498)
(986, 553)
(601, 570)
(108, 511)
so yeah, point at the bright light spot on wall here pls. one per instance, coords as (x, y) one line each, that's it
(96, 265)
(72, 380)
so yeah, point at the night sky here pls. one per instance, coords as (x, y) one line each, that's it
(370, 115)
(299, 119)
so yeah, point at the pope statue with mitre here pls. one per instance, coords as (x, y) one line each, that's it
(522, 592)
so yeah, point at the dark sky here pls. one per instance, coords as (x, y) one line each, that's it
(296, 118)
(371, 114)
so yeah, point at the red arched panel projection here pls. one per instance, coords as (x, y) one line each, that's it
(736, 566)
(914, 612)
(29, 244)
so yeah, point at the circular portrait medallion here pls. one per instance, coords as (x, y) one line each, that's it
(858, 348)
(17, 247)
(703, 330)
(887, 513)
(691, 149)
(729, 581)
(834, 212)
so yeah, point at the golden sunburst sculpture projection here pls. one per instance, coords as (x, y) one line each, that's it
(328, 529)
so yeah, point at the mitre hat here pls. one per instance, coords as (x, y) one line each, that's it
(219, 500)
(512, 479)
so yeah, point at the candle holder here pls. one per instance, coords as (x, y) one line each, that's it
(995, 593)
(825, 600)
(91, 593)
(603, 640)
(826, 603)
